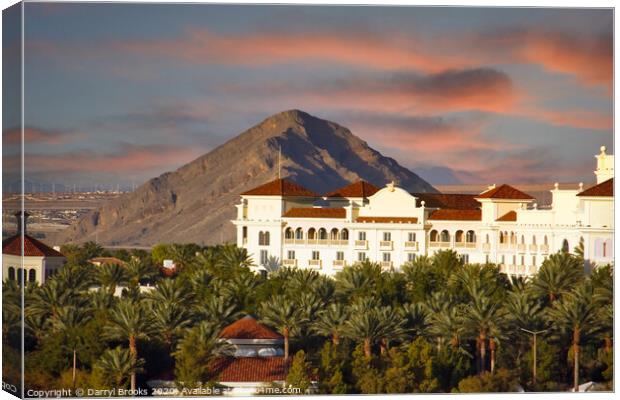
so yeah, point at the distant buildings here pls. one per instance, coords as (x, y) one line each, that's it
(391, 226)
(39, 261)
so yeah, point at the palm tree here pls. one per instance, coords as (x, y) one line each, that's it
(416, 319)
(137, 270)
(110, 276)
(575, 316)
(197, 350)
(169, 320)
(129, 321)
(273, 264)
(183, 255)
(393, 326)
(447, 324)
(170, 292)
(331, 322)
(48, 299)
(233, 257)
(218, 310)
(366, 327)
(241, 288)
(284, 315)
(69, 321)
(75, 278)
(482, 318)
(558, 274)
(117, 364)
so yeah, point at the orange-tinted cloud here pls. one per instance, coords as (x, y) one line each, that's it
(33, 135)
(128, 159)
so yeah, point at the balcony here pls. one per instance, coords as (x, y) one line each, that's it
(533, 248)
(521, 248)
(439, 244)
(411, 246)
(504, 246)
(317, 242)
(386, 264)
(544, 249)
(521, 270)
(467, 245)
(323, 242)
(314, 263)
(386, 245)
(339, 242)
(339, 264)
(289, 262)
(289, 241)
(486, 247)
(361, 244)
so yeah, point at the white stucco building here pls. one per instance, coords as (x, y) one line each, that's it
(391, 226)
(36, 263)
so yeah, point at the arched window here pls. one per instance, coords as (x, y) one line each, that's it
(502, 238)
(533, 239)
(458, 236)
(522, 239)
(433, 236)
(445, 236)
(344, 234)
(546, 241)
(609, 250)
(513, 238)
(32, 275)
(333, 234)
(299, 234)
(20, 275)
(470, 237)
(565, 246)
(288, 233)
(311, 234)
(266, 238)
(11, 273)
(263, 238)
(322, 234)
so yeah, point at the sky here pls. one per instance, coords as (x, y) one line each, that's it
(120, 93)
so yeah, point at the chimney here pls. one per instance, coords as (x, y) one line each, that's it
(20, 220)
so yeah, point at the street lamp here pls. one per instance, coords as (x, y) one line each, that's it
(534, 333)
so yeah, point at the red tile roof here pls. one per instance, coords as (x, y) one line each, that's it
(456, 215)
(32, 247)
(401, 220)
(280, 187)
(248, 328)
(603, 189)
(316, 212)
(444, 200)
(357, 189)
(250, 369)
(510, 216)
(505, 192)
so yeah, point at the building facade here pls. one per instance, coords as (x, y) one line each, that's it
(391, 226)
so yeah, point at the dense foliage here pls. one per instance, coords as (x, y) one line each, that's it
(435, 326)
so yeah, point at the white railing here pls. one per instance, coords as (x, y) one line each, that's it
(317, 242)
(544, 248)
(361, 244)
(521, 248)
(314, 263)
(411, 245)
(468, 245)
(386, 245)
(523, 270)
(533, 248)
(339, 263)
(439, 244)
(486, 247)
(386, 264)
(289, 262)
(504, 246)
(289, 241)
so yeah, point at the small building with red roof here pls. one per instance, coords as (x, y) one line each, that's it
(28, 259)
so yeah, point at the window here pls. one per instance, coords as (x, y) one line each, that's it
(465, 258)
(565, 247)
(387, 236)
(263, 238)
(387, 257)
(361, 256)
(32, 275)
(361, 235)
(316, 255)
(288, 233)
(244, 231)
(322, 234)
(11, 273)
(514, 260)
(263, 257)
(486, 259)
(344, 234)
(291, 254)
(299, 234)
(522, 260)
(433, 236)
(470, 237)
(412, 236)
(411, 257)
(503, 259)
(340, 255)
(605, 249)
(445, 236)
(533, 260)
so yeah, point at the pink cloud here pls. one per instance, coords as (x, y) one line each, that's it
(34, 135)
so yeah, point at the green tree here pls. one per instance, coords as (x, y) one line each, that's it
(284, 315)
(117, 365)
(575, 316)
(110, 276)
(557, 276)
(129, 322)
(301, 372)
(331, 322)
(333, 369)
(500, 381)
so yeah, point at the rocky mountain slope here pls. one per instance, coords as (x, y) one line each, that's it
(196, 202)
